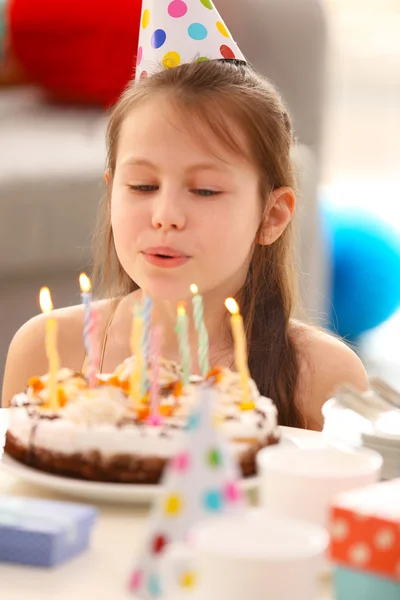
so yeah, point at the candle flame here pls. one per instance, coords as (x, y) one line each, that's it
(181, 309)
(46, 304)
(194, 289)
(232, 306)
(84, 282)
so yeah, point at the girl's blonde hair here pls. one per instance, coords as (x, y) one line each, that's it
(230, 99)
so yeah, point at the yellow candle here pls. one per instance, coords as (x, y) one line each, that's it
(239, 338)
(137, 352)
(51, 347)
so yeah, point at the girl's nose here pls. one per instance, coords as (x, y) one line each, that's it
(168, 212)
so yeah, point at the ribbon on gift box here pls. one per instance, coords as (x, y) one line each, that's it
(16, 512)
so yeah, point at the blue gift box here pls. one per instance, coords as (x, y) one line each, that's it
(43, 533)
(358, 585)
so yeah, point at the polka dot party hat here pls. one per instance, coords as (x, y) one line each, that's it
(200, 483)
(175, 32)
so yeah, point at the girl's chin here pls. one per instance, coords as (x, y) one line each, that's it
(167, 291)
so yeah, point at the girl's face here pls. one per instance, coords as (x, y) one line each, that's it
(181, 215)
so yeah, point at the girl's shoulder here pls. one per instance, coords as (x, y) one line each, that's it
(326, 362)
(27, 352)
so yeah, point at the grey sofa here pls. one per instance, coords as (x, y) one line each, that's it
(52, 162)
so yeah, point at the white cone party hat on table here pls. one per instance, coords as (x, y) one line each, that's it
(199, 483)
(175, 32)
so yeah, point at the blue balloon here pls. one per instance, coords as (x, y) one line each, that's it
(365, 258)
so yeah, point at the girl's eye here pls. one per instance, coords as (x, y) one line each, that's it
(143, 188)
(204, 192)
(153, 188)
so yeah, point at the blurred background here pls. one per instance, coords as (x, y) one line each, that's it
(337, 65)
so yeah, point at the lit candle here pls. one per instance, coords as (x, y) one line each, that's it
(183, 339)
(136, 343)
(86, 296)
(95, 354)
(51, 346)
(155, 359)
(239, 338)
(198, 315)
(147, 315)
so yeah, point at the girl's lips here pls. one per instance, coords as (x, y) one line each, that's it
(165, 262)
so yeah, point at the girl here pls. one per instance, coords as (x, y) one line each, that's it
(200, 189)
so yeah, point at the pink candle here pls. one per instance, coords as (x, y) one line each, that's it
(93, 333)
(155, 361)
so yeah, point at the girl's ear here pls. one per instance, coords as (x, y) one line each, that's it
(107, 177)
(278, 213)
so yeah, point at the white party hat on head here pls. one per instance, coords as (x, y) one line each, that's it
(175, 32)
(200, 483)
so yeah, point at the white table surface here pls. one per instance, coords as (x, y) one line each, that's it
(102, 572)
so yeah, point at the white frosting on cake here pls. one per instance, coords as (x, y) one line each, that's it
(104, 405)
(170, 372)
(104, 419)
(66, 437)
(37, 390)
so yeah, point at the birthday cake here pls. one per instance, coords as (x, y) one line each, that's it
(99, 434)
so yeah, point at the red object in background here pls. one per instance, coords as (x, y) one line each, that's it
(80, 51)
(365, 529)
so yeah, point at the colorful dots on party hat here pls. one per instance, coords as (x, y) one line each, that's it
(139, 55)
(136, 580)
(199, 483)
(222, 29)
(227, 52)
(158, 38)
(171, 60)
(193, 422)
(177, 9)
(213, 501)
(176, 32)
(232, 492)
(218, 420)
(188, 580)
(154, 586)
(197, 31)
(214, 458)
(181, 462)
(173, 505)
(146, 18)
(159, 543)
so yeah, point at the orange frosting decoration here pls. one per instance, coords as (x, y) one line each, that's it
(62, 398)
(36, 384)
(215, 373)
(116, 382)
(177, 389)
(166, 411)
(143, 412)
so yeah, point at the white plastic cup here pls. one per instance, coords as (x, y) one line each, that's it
(254, 556)
(302, 483)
